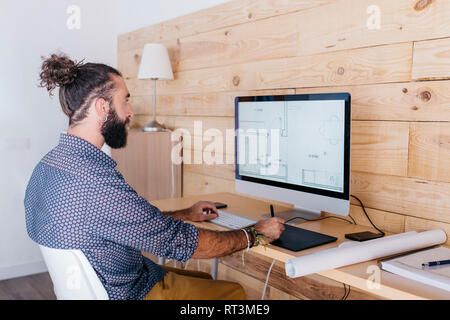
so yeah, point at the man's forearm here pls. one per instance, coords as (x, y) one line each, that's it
(212, 244)
(179, 214)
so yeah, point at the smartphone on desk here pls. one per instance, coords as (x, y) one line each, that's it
(363, 236)
(220, 205)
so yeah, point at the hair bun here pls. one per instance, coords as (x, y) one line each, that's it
(57, 71)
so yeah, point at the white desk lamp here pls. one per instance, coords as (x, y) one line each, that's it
(155, 64)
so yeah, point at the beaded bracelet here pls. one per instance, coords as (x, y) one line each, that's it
(254, 238)
(253, 235)
(261, 239)
(252, 232)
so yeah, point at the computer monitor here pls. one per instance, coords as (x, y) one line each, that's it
(295, 149)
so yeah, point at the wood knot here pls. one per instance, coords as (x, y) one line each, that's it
(405, 90)
(236, 80)
(415, 108)
(422, 4)
(178, 41)
(136, 57)
(250, 15)
(341, 71)
(425, 96)
(227, 33)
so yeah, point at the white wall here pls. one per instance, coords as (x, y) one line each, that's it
(136, 14)
(30, 122)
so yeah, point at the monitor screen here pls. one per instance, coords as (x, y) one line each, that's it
(299, 142)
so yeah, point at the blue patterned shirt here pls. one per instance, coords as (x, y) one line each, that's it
(76, 199)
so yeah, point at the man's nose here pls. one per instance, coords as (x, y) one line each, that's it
(130, 113)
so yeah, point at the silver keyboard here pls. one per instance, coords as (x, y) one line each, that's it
(232, 221)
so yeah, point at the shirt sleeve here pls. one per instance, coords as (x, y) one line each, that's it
(117, 213)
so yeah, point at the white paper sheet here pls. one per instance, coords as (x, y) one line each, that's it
(410, 266)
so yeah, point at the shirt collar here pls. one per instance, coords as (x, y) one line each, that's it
(77, 145)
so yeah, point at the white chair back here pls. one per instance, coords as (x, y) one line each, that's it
(72, 275)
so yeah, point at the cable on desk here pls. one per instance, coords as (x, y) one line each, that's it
(323, 219)
(267, 279)
(354, 222)
(345, 291)
(348, 293)
(362, 206)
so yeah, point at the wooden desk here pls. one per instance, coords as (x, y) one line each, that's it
(356, 276)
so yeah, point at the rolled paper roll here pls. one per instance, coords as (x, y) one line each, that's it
(363, 251)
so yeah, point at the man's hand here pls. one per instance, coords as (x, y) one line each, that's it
(196, 212)
(271, 228)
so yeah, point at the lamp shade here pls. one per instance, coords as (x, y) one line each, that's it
(155, 63)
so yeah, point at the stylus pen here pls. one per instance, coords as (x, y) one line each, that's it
(272, 214)
(435, 263)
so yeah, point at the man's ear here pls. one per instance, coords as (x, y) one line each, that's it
(101, 107)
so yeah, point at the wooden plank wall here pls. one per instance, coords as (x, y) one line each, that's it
(398, 75)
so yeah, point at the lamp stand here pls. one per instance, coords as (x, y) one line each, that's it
(154, 126)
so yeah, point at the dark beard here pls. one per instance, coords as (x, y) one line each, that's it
(114, 130)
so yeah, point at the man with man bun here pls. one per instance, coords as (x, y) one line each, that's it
(76, 199)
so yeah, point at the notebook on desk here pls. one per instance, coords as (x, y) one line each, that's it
(410, 266)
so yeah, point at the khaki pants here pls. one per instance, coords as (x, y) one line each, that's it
(180, 284)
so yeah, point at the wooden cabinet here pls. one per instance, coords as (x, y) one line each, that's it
(147, 166)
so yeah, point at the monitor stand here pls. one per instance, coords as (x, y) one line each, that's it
(300, 213)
